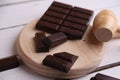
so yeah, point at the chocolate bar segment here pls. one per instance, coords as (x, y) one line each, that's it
(55, 14)
(66, 56)
(83, 10)
(74, 26)
(103, 77)
(57, 63)
(52, 19)
(71, 33)
(55, 39)
(40, 46)
(59, 4)
(77, 20)
(79, 15)
(9, 63)
(47, 26)
(59, 9)
(62, 61)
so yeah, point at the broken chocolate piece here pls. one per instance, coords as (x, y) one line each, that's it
(103, 77)
(55, 39)
(57, 63)
(63, 17)
(67, 56)
(60, 61)
(9, 63)
(40, 46)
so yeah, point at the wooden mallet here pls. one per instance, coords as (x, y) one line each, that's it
(105, 26)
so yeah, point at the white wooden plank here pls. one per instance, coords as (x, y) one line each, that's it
(21, 73)
(111, 52)
(83, 3)
(94, 4)
(24, 13)
(8, 41)
(4, 2)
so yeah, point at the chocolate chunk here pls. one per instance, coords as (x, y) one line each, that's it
(72, 33)
(57, 63)
(103, 77)
(9, 63)
(72, 18)
(60, 61)
(55, 39)
(40, 47)
(66, 56)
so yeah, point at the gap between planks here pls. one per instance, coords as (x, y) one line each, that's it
(12, 26)
(15, 3)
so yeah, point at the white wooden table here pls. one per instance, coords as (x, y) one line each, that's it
(15, 14)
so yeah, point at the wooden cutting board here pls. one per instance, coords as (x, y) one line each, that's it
(88, 49)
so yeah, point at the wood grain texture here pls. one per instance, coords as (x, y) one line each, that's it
(105, 25)
(88, 49)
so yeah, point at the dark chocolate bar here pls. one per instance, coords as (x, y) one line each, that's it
(63, 17)
(55, 39)
(60, 61)
(9, 63)
(103, 77)
(40, 46)
(67, 56)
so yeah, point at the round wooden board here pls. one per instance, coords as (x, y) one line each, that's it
(88, 49)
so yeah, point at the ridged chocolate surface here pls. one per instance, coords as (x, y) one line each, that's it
(62, 61)
(60, 15)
